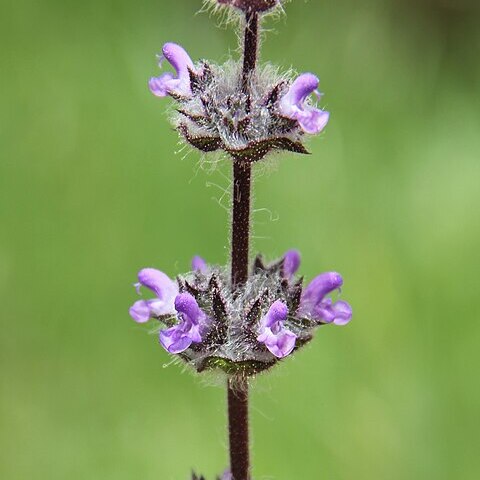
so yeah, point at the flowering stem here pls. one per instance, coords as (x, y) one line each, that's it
(242, 170)
(238, 429)
(238, 391)
(250, 47)
(242, 185)
(242, 179)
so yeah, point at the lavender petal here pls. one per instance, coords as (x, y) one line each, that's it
(199, 264)
(168, 84)
(140, 311)
(272, 333)
(291, 262)
(343, 312)
(320, 286)
(158, 282)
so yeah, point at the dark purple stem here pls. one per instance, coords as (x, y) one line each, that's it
(242, 180)
(238, 429)
(242, 184)
(250, 48)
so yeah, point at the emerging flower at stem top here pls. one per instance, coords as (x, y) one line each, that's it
(292, 104)
(168, 84)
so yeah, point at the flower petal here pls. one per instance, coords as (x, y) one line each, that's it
(273, 334)
(140, 311)
(313, 120)
(199, 264)
(299, 90)
(178, 58)
(174, 340)
(292, 105)
(158, 282)
(160, 307)
(343, 312)
(187, 307)
(160, 86)
(320, 286)
(178, 338)
(282, 343)
(277, 312)
(291, 262)
(169, 84)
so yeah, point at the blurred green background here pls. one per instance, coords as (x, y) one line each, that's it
(94, 185)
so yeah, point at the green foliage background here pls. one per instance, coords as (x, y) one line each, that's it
(91, 190)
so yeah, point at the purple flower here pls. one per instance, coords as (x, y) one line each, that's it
(314, 304)
(168, 84)
(291, 262)
(226, 475)
(192, 321)
(273, 334)
(199, 264)
(165, 290)
(292, 104)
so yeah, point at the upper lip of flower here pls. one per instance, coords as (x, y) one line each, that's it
(167, 83)
(165, 290)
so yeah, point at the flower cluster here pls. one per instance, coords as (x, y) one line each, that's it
(215, 113)
(243, 332)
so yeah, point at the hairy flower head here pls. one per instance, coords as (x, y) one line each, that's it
(246, 331)
(215, 113)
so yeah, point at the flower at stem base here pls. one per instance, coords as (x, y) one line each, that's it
(314, 304)
(178, 338)
(273, 334)
(165, 290)
(292, 105)
(168, 84)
